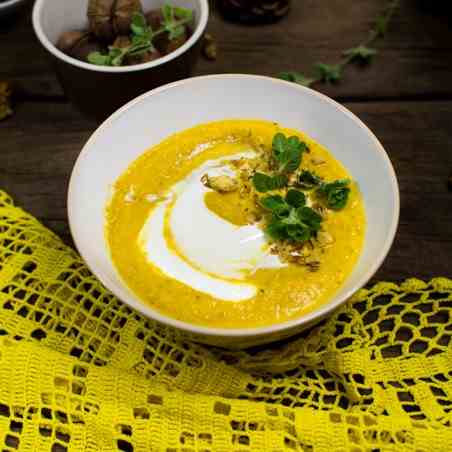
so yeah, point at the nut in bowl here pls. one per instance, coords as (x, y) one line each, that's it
(108, 52)
(241, 221)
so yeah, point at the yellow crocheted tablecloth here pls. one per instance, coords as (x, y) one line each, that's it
(81, 371)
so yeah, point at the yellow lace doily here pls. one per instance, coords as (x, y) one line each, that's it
(81, 371)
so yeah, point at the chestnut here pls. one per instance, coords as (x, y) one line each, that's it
(68, 40)
(123, 13)
(121, 42)
(166, 45)
(110, 18)
(78, 44)
(99, 18)
(154, 18)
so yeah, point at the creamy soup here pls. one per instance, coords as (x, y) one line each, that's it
(194, 233)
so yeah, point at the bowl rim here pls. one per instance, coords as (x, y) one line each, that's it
(5, 5)
(51, 47)
(317, 314)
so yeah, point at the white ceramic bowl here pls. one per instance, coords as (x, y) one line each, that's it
(153, 116)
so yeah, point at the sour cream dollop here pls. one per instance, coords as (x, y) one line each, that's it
(188, 242)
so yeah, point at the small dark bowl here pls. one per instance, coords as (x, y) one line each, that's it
(97, 91)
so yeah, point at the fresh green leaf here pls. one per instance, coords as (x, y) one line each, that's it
(333, 73)
(141, 42)
(279, 181)
(279, 144)
(289, 161)
(360, 53)
(167, 13)
(263, 182)
(329, 73)
(142, 35)
(276, 204)
(276, 230)
(282, 212)
(272, 202)
(308, 180)
(99, 58)
(296, 77)
(183, 13)
(114, 57)
(288, 152)
(295, 198)
(290, 223)
(309, 217)
(139, 25)
(176, 32)
(298, 232)
(117, 55)
(381, 25)
(335, 193)
(338, 198)
(383, 20)
(292, 218)
(171, 24)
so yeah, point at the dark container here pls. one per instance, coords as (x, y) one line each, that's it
(97, 91)
(254, 11)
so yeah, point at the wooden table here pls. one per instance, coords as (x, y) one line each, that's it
(405, 97)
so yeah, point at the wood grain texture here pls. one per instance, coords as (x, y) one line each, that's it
(415, 60)
(405, 97)
(40, 143)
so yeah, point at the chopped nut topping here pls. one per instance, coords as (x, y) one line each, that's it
(317, 161)
(320, 209)
(253, 217)
(221, 184)
(209, 47)
(313, 265)
(324, 238)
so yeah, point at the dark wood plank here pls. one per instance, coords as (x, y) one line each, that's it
(41, 141)
(417, 140)
(414, 63)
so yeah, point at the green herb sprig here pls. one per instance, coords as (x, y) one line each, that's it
(290, 218)
(142, 36)
(263, 182)
(174, 19)
(361, 54)
(308, 180)
(335, 193)
(286, 154)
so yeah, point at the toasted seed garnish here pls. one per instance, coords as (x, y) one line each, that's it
(320, 209)
(313, 265)
(253, 217)
(221, 184)
(317, 161)
(324, 238)
(130, 196)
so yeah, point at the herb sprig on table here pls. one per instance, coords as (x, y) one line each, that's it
(289, 216)
(361, 54)
(142, 36)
